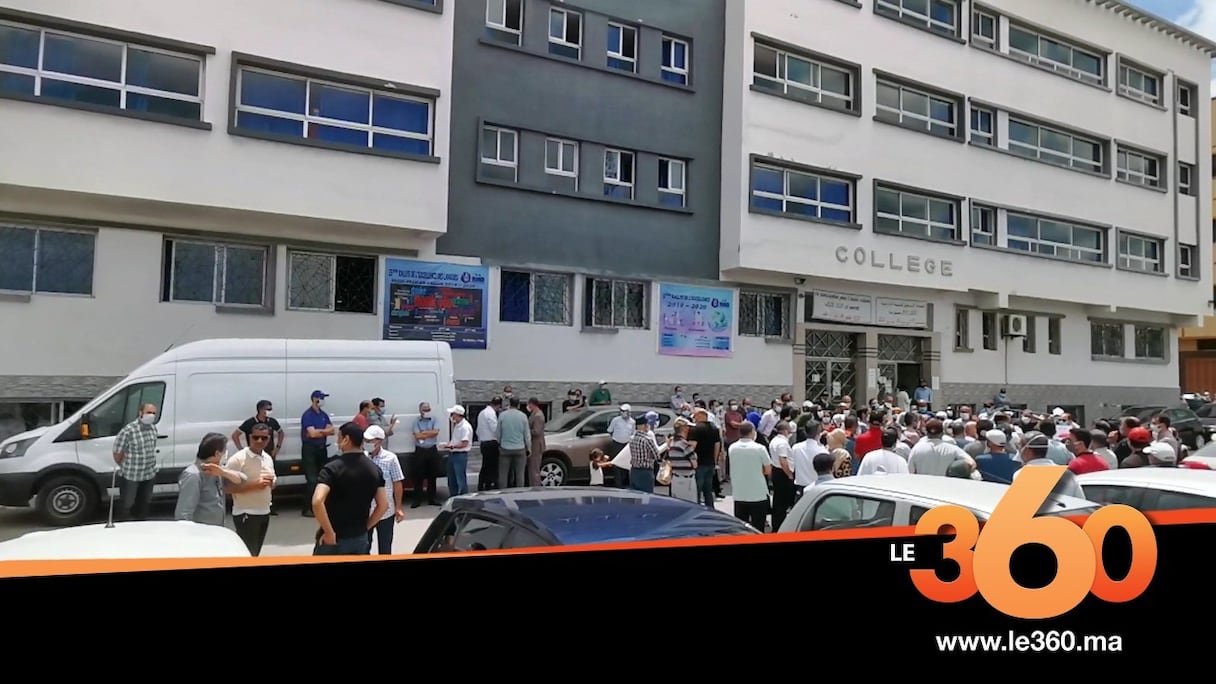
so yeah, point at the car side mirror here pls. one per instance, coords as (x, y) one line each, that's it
(586, 431)
(84, 425)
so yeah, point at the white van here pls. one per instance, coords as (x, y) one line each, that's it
(65, 470)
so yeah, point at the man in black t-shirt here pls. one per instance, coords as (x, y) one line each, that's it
(347, 488)
(709, 450)
(264, 409)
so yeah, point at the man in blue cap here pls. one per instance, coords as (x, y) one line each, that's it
(315, 431)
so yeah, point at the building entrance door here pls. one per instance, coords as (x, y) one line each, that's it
(900, 362)
(831, 365)
(894, 374)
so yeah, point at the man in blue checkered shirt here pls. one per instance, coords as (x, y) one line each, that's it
(135, 454)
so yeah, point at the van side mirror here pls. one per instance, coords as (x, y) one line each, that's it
(84, 425)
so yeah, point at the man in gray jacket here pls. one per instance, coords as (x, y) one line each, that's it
(514, 443)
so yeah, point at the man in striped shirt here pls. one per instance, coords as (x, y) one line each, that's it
(643, 454)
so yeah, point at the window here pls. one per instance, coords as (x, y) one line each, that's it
(1106, 339)
(565, 33)
(675, 60)
(121, 408)
(671, 182)
(561, 157)
(1057, 238)
(1029, 343)
(331, 282)
(936, 15)
(802, 193)
(1112, 494)
(287, 106)
(505, 21)
(988, 330)
(1139, 253)
(983, 225)
(499, 151)
(1138, 168)
(903, 212)
(1178, 501)
(1186, 179)
(783, 72)
(1186, 262)
(623, 47)
(984, 29)
(526, 297)
(618, 174)
(918, 109)
(764, 314)
(96, 72)
(1054, 146)
(1053, 336)
(615, 304)
(1138, 83)
(983, 126)
(480, 534)
(841, 511)
(962, 329)
(1053, 53)
(1186, 100)
(215, 273)
(46, 261)
(1150, 342)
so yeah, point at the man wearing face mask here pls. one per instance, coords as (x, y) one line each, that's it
(424, 466)
(621, 430)
(677, 399)
(315, 431)
(135, 456)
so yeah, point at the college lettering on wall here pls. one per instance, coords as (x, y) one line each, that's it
(696, 321)
(854, 309)
(879, 259)
(437, 302)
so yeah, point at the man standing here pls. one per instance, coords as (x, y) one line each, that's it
(315, 430)
(933, 455)
(424, 466)
(870, 440)
(1084, 459)
(390, 468)
(996, 464)
(780, 453)
(262, 417)
(376, 417)
(1034, 453)
(707, 444)
(200, 487)
(458, 452)
(923, 395)
(803, 457)
(536, 450)
(487, 438)
(601, 396)
(620, 430)
(750, 466)
(251, 499)
(643, 454)
(135, 456)
(884, 461)
(514, 441)
(347, 487)
(677, 399)
(362, 418)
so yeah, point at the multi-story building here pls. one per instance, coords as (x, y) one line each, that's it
(1197, 345)
(176, 171)
(584, 184)
(975, 194)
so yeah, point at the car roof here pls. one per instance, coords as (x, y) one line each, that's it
(1176, 479)
(142, 539)
(589, 515)
(976, 495)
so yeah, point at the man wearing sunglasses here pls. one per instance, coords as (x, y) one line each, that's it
(251, 500)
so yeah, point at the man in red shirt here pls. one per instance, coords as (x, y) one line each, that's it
(1084, 460)
(870, 440)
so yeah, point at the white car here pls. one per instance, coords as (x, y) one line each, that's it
(126, 540)
(1201, 459)
(1152, 489)
(899, 500)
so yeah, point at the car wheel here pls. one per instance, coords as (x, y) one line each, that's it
(553, 472)
(67, 500)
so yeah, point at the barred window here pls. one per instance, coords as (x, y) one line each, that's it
(331, 282)
(764, 314)
(45, 260)
(1150, 342)
(526, 297)
(1106, 339)
(615, 304)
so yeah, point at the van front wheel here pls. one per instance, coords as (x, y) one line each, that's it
(66, 500)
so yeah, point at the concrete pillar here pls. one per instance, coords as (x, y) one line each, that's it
(867, 361)
(932, 365)
(799, 361)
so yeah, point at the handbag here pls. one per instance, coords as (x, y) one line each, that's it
(664, 476)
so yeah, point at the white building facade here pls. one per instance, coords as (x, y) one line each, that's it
(995, 194)
(172, 173)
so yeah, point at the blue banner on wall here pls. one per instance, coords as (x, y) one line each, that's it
(434, 301)
(696, 321)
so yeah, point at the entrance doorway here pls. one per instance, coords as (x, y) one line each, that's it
(900, 362)
(831, 365)
(894, 374)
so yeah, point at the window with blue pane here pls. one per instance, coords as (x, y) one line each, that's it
(800, 193)
(43, 260)
(99, 72)
(936, 15)
(675, 60)
(290, 106)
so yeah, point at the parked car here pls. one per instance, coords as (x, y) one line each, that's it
(1207, 415)
(1191, 430)
(1203, 459)
(570, 437)
(149, 539)
(1194, 401)
(899, 500)
(564, 516)
(1152, 489)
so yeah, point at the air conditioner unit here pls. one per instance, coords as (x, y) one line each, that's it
(1013, 325)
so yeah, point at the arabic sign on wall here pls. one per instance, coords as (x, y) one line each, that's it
(854, 309)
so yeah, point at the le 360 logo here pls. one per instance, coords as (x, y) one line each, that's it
(983, 557)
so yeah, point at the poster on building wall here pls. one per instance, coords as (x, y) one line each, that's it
(696, 321)
(436, 302)
(838, 307)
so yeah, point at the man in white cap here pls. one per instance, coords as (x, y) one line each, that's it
(458, 452)
(601, 396)
(620, 429)
(1160, 455)
(996, 464)
(390, 467)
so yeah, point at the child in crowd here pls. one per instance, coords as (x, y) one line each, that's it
(598, 461)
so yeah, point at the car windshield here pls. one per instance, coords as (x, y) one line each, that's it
(591, 520)
(564, 421)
